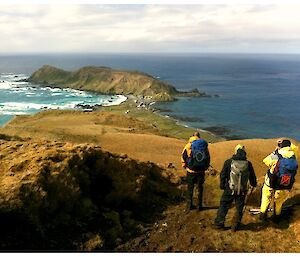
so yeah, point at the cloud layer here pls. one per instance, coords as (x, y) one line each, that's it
(149, 28)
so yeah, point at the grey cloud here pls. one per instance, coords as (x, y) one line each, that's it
(142, 28)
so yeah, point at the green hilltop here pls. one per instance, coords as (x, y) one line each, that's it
(105, 80)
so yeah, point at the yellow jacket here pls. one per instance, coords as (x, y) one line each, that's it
(271, 159)
(188, 151)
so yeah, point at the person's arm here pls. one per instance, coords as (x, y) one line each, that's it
(184, 155)
(208, 157)
(271, 161)
(295, 149)
(252, 176)
(224, 176)
(268, 160)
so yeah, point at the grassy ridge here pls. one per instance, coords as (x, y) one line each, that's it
(107, 81)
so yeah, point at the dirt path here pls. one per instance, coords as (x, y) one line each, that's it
(178, 231)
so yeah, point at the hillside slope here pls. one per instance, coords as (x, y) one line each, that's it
(46, 179)
(108, 81)
(75, 197)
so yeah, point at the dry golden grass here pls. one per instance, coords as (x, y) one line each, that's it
(124, 134)
(127, 135)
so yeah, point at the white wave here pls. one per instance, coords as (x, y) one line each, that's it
(30, 107)
(120, 99)
(13, 77)
(22, 106)
(5, 85)
(76, 92)
(7, 75)
(72, 92)
(54, 89)
(12, 113)
(80, 93)
(13, 84)
(21, 76)
(20, 83)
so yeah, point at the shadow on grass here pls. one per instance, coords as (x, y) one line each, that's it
(93, 194)
(282, 224)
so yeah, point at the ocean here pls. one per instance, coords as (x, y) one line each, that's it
(18, 97)
(249, 96)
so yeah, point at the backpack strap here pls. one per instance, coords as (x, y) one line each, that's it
(278, 154)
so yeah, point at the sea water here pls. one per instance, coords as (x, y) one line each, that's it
(18, 97)
(252, 96)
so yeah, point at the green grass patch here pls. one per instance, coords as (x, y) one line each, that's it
(167, 127)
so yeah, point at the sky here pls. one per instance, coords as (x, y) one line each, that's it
(149, 28)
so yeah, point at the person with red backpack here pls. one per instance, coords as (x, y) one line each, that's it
(279, 179)
(195, 159)
(235, 175)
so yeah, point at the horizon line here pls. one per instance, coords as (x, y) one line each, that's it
(146, 53)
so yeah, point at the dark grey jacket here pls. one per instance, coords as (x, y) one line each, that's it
(225, 173)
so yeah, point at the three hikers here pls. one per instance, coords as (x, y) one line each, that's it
(195, 159)
(279, 179)
(234, 177)
(236, 174)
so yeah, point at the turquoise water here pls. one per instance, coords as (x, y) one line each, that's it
(17, 98)
(258, 94)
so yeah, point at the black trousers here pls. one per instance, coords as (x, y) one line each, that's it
(225, 203)
(192, 179)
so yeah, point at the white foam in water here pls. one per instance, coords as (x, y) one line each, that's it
(23, 106)
(20, 83)
(7, 75)
(17, 107)
(13, 89)
(119, 100)
(12, 113)
(5, 85)
(55, 89)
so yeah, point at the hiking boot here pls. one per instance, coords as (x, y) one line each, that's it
(219, 226)
(200, 208)
(276, 218)
(189, 208)
(235, 227)
(262, 216)
(193, 207)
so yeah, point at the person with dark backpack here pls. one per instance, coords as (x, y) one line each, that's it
(235, 175)
(195, 159)
(279, 179)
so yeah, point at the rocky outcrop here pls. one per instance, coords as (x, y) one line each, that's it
(60, 196)
(108, 81)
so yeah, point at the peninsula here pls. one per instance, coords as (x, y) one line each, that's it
(105, 80)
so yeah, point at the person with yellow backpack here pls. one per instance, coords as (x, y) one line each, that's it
(279, 179)
(195, 159)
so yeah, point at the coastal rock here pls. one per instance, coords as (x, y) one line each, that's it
(91, 107)
(192, 93)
